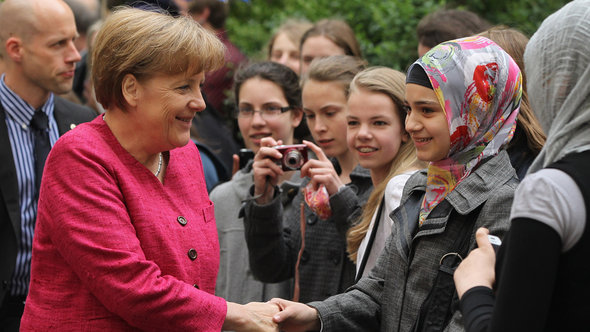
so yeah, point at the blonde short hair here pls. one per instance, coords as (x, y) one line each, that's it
(145, 44)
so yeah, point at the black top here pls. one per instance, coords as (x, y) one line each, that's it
(538, 288)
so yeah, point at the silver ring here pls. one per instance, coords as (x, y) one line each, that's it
(450, 254)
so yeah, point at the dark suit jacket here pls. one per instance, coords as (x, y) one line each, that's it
(67, 115)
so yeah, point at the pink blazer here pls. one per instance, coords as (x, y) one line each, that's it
(115, 249)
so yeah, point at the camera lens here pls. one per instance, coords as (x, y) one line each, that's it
(293, 159)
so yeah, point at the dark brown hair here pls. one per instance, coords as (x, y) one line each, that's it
(274, 72)
(218, 11)
(448, 24)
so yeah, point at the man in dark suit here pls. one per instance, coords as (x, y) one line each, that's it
(37, 46)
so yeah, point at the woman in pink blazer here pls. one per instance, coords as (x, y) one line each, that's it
(125, 237)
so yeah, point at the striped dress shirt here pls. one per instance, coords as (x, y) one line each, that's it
(18, 118)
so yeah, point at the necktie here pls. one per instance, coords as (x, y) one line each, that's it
(41, 148)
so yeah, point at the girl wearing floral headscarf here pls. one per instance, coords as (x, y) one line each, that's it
(542, 277)
(458, 119)
(462, 99)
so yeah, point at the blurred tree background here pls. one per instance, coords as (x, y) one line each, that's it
(386, 29)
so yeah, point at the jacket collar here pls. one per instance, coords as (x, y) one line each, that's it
(475, 189)
(467, 196)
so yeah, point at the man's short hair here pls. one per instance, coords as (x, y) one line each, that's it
(218, 11)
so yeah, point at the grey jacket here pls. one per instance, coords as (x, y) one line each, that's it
(235, 281)
(389, 299)
(274, 239)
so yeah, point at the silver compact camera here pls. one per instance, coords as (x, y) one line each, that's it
(294, 156)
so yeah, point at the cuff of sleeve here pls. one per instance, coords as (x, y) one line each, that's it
(343, 202)
(262, 217)
(477, 305)
(322, 315)
(476, 294)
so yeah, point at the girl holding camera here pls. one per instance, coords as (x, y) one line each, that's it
(268, 100)
(310, 244)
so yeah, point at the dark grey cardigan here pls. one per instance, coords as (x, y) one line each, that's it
(274, 240)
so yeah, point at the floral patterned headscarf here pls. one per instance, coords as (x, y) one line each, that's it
(479, 87)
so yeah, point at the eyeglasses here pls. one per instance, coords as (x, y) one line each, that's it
(267, 112)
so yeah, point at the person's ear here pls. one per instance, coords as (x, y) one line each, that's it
(130, 88)
(202, 17)
(296, 117)
(405, 136)
(14, 48)
(206, 14)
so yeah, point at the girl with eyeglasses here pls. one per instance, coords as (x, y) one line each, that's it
(309, 243)
(268, 100)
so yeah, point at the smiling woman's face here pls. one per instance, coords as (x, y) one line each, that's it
(375, 131)
(167, 105)
(426, 122)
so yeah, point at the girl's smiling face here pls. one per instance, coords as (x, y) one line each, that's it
(257, 94)
(426, 122)
(375, 131)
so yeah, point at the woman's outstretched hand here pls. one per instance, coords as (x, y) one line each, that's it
(295, 316)
(251, 317)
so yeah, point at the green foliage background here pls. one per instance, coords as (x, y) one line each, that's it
(384, 28)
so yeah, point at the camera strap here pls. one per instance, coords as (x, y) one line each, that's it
(302, 228)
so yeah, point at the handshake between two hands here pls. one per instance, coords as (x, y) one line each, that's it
(274, 315)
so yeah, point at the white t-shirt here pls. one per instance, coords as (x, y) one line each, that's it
(552, 197)
(393, 196)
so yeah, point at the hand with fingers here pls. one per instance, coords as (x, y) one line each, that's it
(321, 170)
(266, 171)
(478, 268)
(251, 317)
(295, 316)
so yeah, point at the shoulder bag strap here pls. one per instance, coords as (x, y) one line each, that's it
(438, 308)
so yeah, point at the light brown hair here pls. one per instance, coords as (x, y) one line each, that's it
(339, 32)
(145, 44)
(527, 126)
(293, 29)
(336, 68)
(391, 83)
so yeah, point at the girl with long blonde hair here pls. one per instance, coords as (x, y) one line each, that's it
(376, 134)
